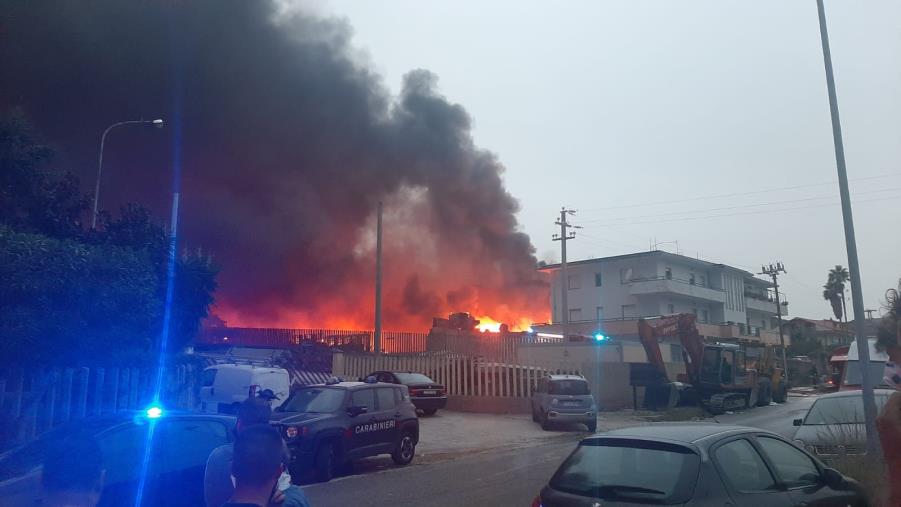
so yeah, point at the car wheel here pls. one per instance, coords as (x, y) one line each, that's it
(545, 424)
(406, 449)
(764, 395)
(592, 426)
(752, 398)
(324, 463)
(780, 394)
(429, 411)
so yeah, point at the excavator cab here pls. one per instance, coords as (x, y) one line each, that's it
(723, 365)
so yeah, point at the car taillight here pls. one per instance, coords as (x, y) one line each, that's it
(291, 432)
(415, 392)
(537, 501)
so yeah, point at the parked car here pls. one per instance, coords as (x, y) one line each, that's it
(328, 425)
(427, 395)
(181, 445)
(562, 399)
(695, 464)
(225, 386)
(834, 424)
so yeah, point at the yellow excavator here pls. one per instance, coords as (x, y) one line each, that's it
(717, 375)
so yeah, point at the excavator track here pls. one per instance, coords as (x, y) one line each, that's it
(722, 402)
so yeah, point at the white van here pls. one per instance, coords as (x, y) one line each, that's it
(225, 386)
(851, 376)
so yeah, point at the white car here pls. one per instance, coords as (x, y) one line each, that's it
(225, 386)
(834, 424)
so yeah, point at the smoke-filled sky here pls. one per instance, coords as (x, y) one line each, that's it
(618, 108)
(703, 122)
(287, 140)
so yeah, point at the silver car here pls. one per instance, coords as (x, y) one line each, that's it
(834, 424)
(562, 399)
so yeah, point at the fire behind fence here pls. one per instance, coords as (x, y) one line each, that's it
(494, 346)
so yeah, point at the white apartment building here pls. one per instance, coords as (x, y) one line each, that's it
(654, 283)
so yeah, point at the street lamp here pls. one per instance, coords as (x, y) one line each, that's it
(863, 347)
(158, 123)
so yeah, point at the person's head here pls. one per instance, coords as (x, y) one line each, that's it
(251, 412)
(73, 473)
(888, 338)
(258, 458)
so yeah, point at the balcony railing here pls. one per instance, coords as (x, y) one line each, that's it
(664, 285)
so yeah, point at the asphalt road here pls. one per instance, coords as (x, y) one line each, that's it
(507, 477)
(775, 418)
(511, 476)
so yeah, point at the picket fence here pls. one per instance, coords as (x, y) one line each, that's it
(35, 400)
(460, 375)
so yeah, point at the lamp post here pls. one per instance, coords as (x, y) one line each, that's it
(158, 123)
(863, 348)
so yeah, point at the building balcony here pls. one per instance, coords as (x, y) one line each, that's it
(764, 305)
(661, 285)
(741, 332)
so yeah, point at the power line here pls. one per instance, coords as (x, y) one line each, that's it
(759, 212)
(735, 194)
(742, 206)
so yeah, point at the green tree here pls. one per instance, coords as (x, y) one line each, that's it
(834, 290)
(33, 198)
(75, 296)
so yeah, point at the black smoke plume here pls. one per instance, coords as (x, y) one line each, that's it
(287, 143)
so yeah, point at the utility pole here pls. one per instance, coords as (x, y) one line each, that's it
(773, 271)
(564, 280)
(377, 334)
(863, 348)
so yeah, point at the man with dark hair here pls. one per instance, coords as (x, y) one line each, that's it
(257, 465)
(218, 484)
(889, 421)
(73, 473)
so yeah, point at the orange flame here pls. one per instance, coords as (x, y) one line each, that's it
(489, 325)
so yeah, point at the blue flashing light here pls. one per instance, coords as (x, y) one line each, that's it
(600, 337)
(154, 412)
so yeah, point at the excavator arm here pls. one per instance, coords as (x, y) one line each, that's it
(681, 326)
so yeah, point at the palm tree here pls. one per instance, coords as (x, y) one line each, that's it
(834, 291)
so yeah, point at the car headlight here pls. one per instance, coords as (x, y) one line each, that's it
(291, 431)
(555, 401)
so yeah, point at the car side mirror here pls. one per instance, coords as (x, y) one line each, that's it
(832, 478)
(797, 422)
(356, 410)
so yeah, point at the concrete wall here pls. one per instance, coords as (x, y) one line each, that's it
(606, 366)
(489, 405)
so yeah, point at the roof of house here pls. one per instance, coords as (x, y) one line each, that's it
(820, 325)
(662, 253)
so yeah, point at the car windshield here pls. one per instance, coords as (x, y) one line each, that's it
(413, 378)
(572, 387)
(629, 470)
(840, 410)
(853, 375)
(314, 399)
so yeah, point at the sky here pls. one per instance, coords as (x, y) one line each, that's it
(699, 122)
